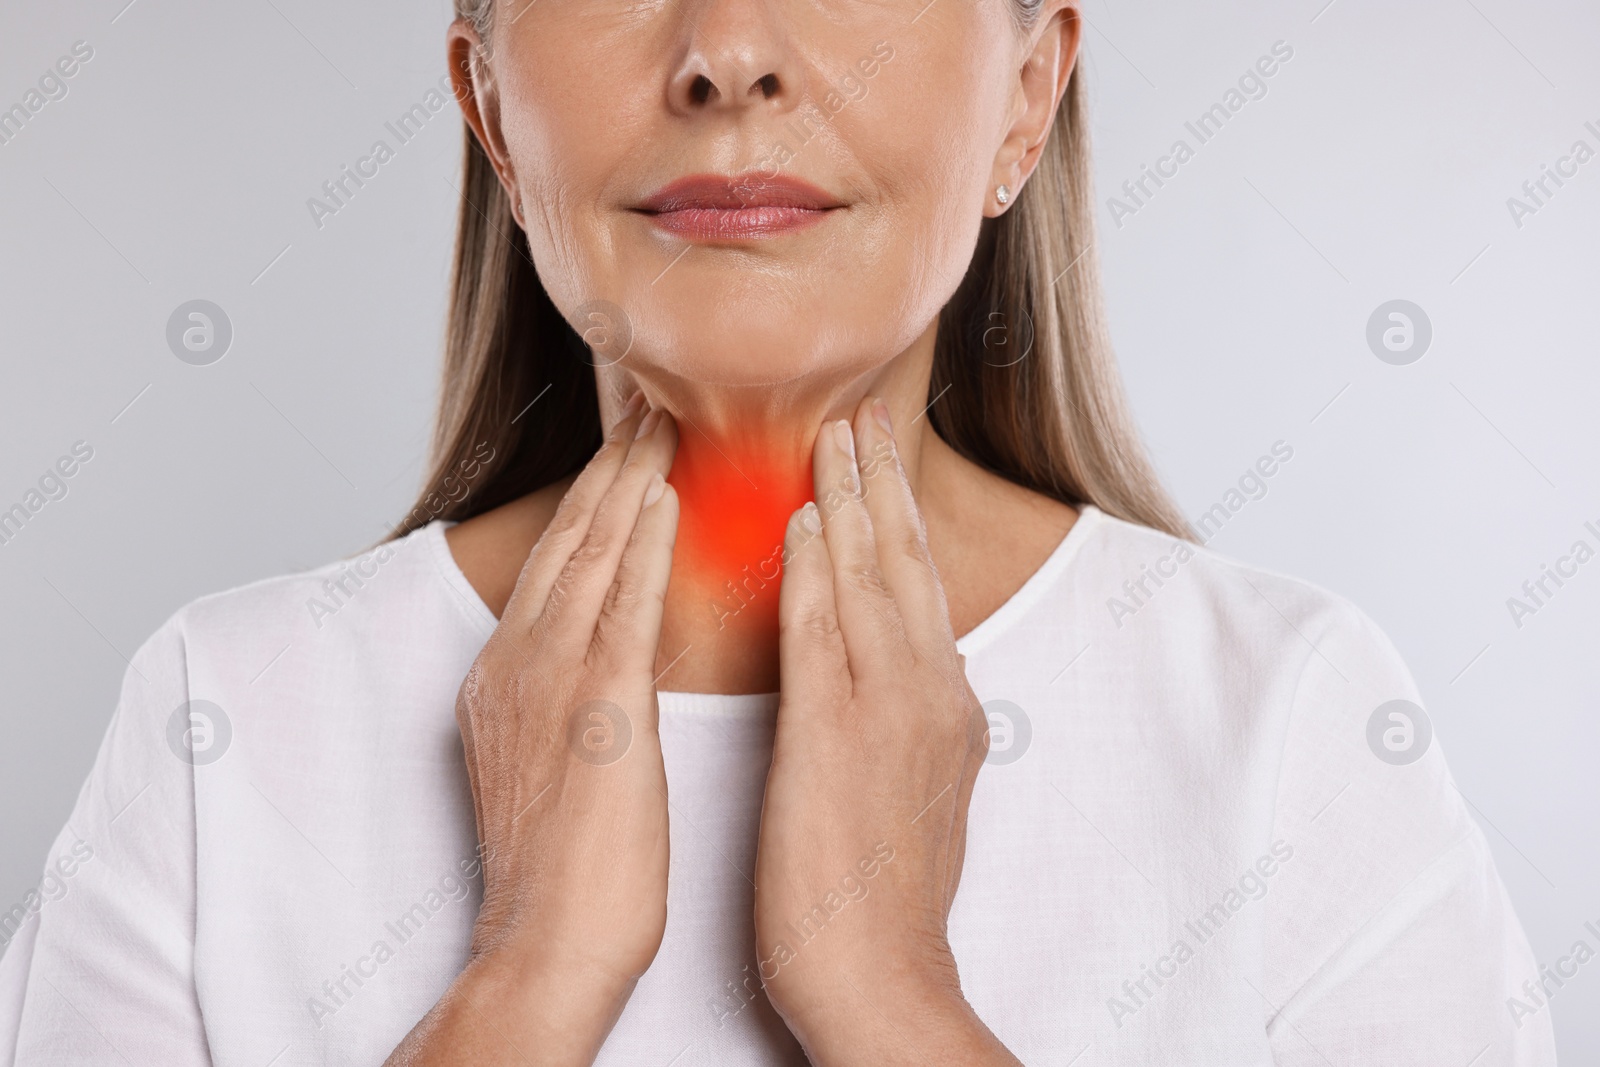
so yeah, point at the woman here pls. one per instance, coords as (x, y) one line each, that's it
(866, 517)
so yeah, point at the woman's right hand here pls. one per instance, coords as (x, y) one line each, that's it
(558, 718)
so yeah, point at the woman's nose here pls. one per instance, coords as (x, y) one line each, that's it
(736, 57)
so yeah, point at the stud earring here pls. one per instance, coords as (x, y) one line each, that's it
(1003, 195)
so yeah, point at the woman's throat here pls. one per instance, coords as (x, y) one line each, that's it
(734, 506)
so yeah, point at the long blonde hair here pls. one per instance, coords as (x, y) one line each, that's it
(519, 385)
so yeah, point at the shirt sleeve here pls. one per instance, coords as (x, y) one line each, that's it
(1390, 937)
(100, 968)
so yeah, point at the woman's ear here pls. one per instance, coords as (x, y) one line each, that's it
(1051, 52)
(472, 81)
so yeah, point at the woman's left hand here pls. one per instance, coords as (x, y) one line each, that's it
(879, 740)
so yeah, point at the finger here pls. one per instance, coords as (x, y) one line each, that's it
(628, 635)
(868, 618)
(901, 535)
(570, 524)
(572, 609)
(811, 652)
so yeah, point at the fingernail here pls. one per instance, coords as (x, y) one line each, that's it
(658, 486)
(880, 411)
(810, 519)
(845, 438)
(648, 423)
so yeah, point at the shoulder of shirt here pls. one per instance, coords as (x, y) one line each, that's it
(287, 607)
(1229, 590)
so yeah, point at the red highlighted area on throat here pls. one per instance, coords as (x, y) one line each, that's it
(734, 506)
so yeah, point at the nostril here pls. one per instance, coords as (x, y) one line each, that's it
(768, 84)
(701, 89)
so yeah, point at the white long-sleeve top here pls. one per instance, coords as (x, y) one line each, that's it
(1197, 841)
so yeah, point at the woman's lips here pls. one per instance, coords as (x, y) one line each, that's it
(717, 207)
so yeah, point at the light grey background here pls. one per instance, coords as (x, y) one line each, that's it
(1378, 166)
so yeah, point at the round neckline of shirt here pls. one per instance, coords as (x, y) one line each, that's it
(1038, 584)
(981, 636)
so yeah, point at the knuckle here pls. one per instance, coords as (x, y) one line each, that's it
(879, 475)
(911, 541)
(564, 526)
(835, 502)
(490, 682)
(625, 598)
(596, 547)
(818, 625)
(555, 603)
(866, 579)
(488, 668)
(617, 439)
(552, 637)
(472, 691)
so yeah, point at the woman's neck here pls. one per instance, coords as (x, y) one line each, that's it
(743, 466)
